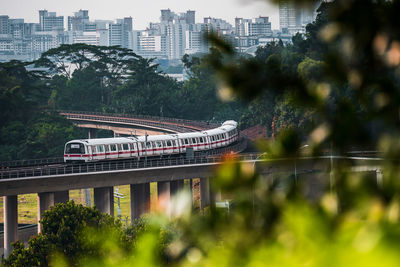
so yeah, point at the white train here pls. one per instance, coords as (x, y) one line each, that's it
(91, 150)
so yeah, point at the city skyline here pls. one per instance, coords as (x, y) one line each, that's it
(143, 15)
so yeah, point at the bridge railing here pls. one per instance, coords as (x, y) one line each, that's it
(30, 162)
(104, 118)
(158, 120)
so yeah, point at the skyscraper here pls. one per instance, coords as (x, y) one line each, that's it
(294, 18)
(78, 21)
(4, 25)
(258, 27)
(190, 17)
(119, 32)
(166, 15)
(49, 21)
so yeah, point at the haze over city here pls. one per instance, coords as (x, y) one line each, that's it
(143, 13)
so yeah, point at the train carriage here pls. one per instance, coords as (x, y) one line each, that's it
(91, 150)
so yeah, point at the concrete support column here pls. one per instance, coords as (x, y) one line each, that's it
(176, 186)
(61, 197)
(163, 190)
(45, 201)
(92, 133)
(218, 195)
(88, 197)
(104, 199)
(164, 196)
(10, 222)
(204, 192)
(379, 177)
(191, 189)
(140, 200)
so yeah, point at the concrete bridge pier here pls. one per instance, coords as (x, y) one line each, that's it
(45, 201)
(176, 186)
(48, 199)
(164, 190)
(207, 196)
(163, 195)
(61, 197)
(140, 200)
(10, 222)
(191, 189)
(92, 133)
(104, 199)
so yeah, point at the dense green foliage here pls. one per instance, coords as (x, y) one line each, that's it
(74, 235)
(25, 131)
(114, 79)
(343, 74)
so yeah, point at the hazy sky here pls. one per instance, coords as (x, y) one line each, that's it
(142, 12)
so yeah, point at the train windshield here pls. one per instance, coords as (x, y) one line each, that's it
(75, 148)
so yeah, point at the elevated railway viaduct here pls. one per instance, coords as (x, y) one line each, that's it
(53, 182)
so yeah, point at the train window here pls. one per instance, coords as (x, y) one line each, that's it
(100, 148)
(75, 149)
(119, 147)
(186, 141)
(173, 143)
(194, 141)
(132, 146)
(125, 146)
(93, 149)
(201, 140)
(113, 147)
(148, 144)
(169, 143)
(107, 148)
(158, 144)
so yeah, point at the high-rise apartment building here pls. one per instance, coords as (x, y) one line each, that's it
(294, 18)
(115, 33)
(78, 21)
(49, 21)
(190, 17)
(119, 32)
(153, 46)
(253, 27)
(176, 36)
(17, 29)
(166, 15)
(216, 25)
(260, 27)
(195, 42)
(4, 25)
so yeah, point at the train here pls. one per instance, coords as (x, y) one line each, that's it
(104, 149)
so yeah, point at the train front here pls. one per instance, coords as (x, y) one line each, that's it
(75, 151)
